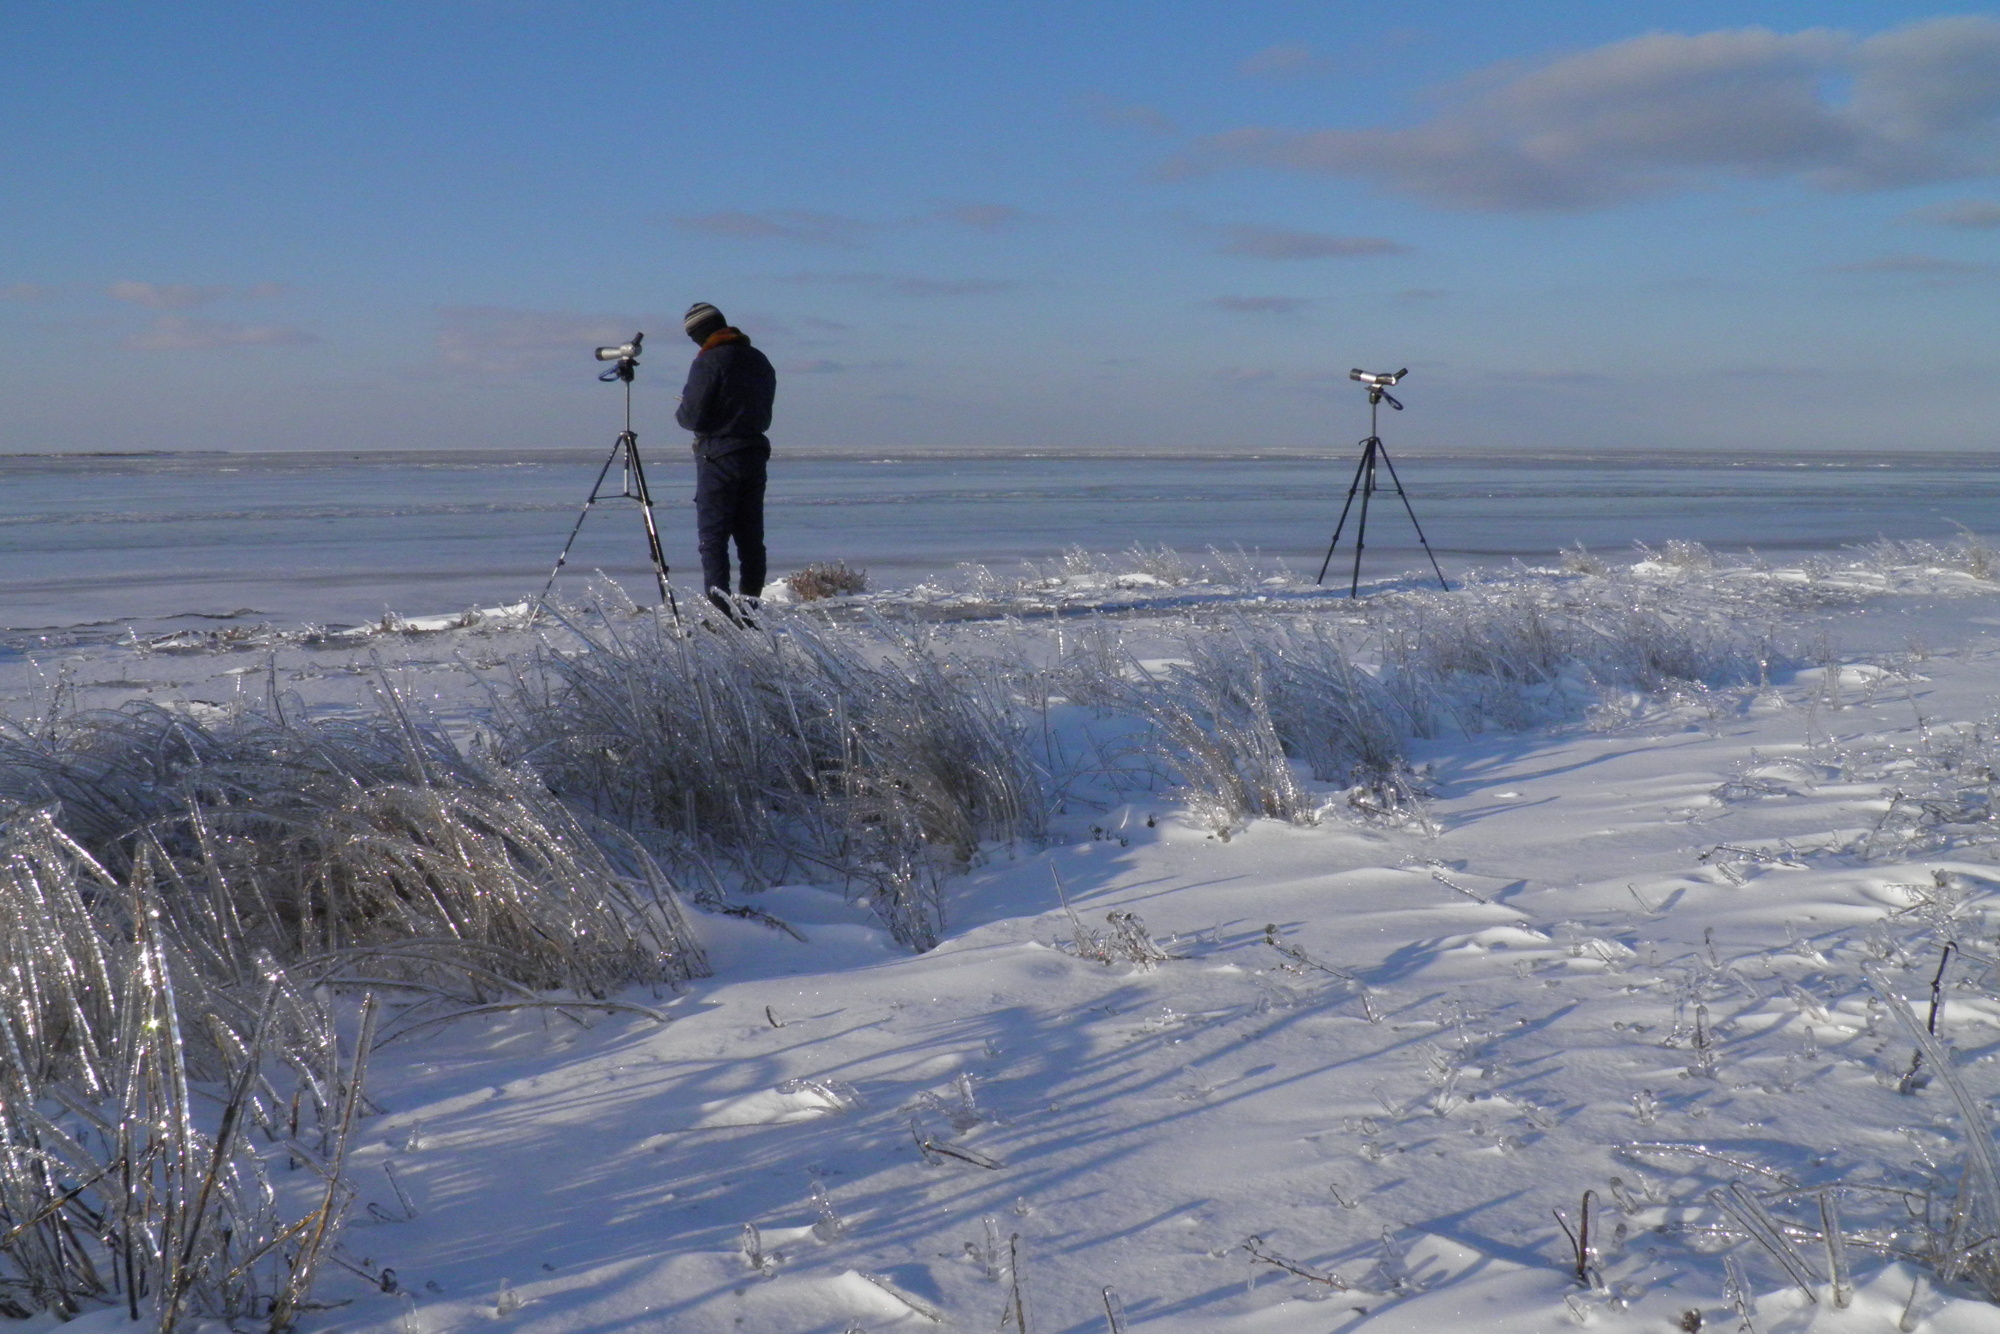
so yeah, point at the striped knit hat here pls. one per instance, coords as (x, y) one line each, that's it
(702, 320)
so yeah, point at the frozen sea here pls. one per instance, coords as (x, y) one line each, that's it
(94, 544)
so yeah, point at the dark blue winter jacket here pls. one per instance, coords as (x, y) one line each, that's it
(727, 401)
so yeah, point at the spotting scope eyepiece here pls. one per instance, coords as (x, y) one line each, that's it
(1373, 379)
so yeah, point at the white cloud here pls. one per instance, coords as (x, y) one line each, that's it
(1667, 112)
(1284, 243)
(180, 333)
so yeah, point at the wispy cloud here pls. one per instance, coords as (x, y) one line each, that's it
(166, 296)
(1780, 373)
(987, 217)
(795, 226)
(1283, 243)
(182, 333)
(1562, 378)
(1929, 266)
(186, 296)
(802, 227)
(1127, 115)
(1318, 383)
(1281, 62)
(904, 285)
(1262, 305)
(1971, 214)
(794, 330)
(825, 366)
(32, 292)
(1667, 112)
(500, 340)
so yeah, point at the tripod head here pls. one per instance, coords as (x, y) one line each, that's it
(627, 357)
(1378, 383)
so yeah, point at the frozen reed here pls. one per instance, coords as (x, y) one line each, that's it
(172, 893)
(870, 759)
(1252, 710)
(369, 847)
(1250, 705)
(1967, 554)
(134, 1093)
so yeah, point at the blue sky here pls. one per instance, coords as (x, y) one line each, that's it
(1070, 226)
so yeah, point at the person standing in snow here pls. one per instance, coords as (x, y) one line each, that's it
(727, 404)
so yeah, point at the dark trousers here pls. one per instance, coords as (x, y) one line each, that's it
(729, 506)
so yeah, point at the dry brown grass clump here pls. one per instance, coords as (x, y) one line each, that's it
(827, 579)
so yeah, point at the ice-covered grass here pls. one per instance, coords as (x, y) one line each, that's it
(371, 845)
(1245, 709)
(1967, 553)
(869, 759)
(1571, 890)
(866, 752)
(1246, 714)
(133, 1089)
(172, 890)
(1081, 578)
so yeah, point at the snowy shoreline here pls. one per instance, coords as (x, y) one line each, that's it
(1373, 1045)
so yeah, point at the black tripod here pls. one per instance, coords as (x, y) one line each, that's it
(624, 451)
(1372, 449)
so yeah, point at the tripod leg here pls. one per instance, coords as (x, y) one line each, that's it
(1352, 487)
(645, 498)
(1361, 526)
(1413, 520)
(602, 473)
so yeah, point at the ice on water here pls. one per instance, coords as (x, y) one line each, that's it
(94, 544)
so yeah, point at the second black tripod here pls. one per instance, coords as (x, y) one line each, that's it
(624, 452)
(1373, 451)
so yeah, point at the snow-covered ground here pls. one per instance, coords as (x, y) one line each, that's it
(1627, 951)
